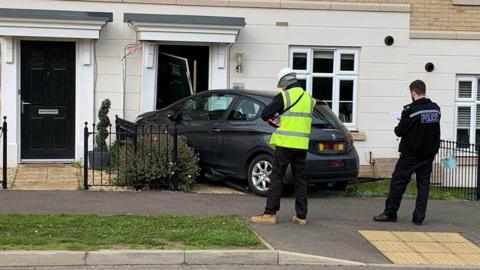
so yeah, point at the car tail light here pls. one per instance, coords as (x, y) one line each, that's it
(351, 138)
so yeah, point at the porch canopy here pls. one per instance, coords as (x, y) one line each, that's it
(52, 23)
(185, 28)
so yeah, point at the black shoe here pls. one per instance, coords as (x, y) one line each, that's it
(417, 222)
(385, 218)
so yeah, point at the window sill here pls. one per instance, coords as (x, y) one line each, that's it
(359, 136)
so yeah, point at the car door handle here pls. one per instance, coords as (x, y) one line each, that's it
(215, 130)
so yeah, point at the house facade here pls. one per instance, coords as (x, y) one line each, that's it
(60, 59)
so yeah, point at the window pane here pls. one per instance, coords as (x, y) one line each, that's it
(218, 105)
(346, 90)
(323, 62)
(347, 62)
(478, 116)
(463, 117)
(478, 90)
(463, 138)
(300, 61)
(195, 109)
(345, 111)
(322, 89)
(465, 89)
(324, 117)
(303, 82)
(246, 110)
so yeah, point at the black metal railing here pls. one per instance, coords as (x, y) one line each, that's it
(456, 170)
(3, 134)
(135, 156)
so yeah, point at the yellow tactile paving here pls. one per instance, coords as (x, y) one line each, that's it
(443, 259)
(414, 236)
(470, 259)
(431, 248)
(405, 258)
(447, 237)
(379, 236)
(390, 246)
(428, 247)
(462, 248)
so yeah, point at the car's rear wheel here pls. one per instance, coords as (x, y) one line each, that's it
(259, 173)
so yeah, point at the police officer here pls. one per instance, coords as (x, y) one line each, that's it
(419, 130)
(291, 140)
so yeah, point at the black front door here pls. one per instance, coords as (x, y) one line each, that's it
(47, 100)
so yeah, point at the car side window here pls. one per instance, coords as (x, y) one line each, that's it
(212, 107)
(246, 110)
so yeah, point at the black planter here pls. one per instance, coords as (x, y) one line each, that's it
(98, 160)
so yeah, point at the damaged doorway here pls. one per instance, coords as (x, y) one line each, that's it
(183, 70)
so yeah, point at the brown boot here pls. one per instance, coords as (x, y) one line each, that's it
(299, 221)
(264, 219)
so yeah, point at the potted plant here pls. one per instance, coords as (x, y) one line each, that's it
(100, 156)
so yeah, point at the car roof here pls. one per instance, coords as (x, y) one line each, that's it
(260, 93)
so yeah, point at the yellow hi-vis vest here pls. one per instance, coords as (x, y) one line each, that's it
(296, 123)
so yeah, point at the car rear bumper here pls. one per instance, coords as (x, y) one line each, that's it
(328, 168)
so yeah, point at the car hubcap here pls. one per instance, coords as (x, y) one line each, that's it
(261, 175)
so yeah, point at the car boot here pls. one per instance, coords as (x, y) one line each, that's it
(264, 219)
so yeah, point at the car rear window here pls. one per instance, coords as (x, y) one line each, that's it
(323, 117)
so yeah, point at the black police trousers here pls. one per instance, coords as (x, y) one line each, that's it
(406, 166)
(283, 157)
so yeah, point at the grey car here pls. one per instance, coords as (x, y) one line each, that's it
(226, 130)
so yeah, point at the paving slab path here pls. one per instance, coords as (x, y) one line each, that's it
(46, 177)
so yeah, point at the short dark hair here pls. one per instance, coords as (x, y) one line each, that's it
(418, 86)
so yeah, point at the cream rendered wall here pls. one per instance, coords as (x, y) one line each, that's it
(450, 57)
(383, 71)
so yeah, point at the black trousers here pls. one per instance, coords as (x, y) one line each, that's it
(406, 166)
(296, 158)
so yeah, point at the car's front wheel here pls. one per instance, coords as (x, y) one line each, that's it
(259, 173)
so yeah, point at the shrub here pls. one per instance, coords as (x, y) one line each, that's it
(148, 162)
(102, 127)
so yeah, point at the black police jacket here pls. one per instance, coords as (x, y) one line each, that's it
(419, 129)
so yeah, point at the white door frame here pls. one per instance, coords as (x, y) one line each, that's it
(10, 85)
(218, 73)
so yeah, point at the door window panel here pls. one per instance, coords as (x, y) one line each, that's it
(246, 110)
(206, 107)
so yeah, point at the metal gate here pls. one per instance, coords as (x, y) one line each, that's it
(456, 170)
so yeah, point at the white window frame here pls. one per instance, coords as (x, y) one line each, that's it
(337, 75)
(472, 102)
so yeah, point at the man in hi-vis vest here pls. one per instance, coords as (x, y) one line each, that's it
(291, 138)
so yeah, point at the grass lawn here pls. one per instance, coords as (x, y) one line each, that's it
(91, 232)
(381, 189)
